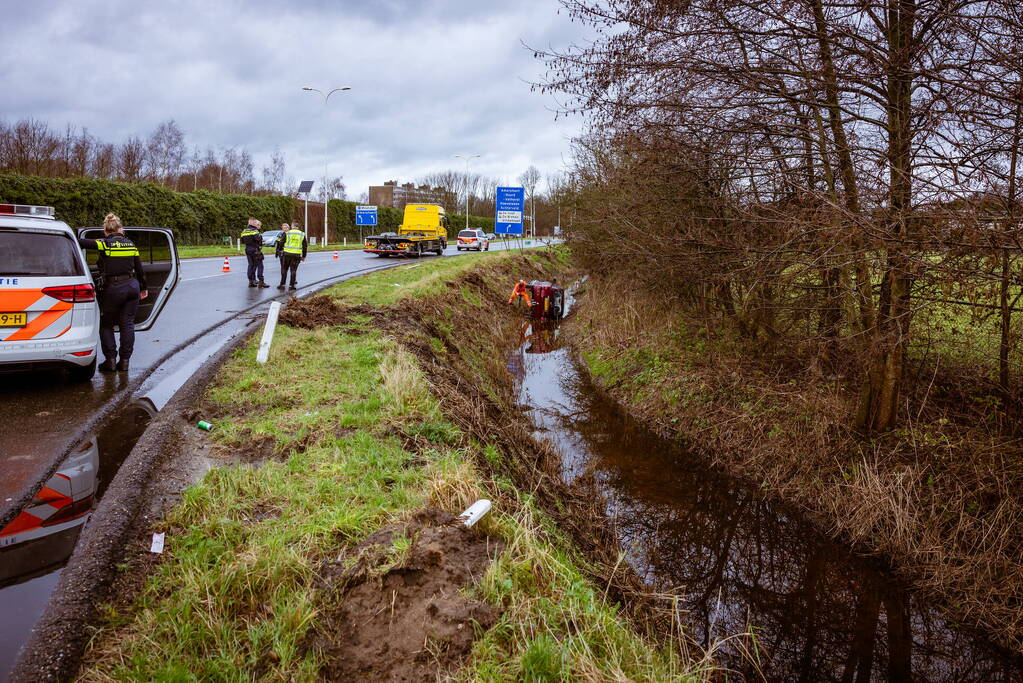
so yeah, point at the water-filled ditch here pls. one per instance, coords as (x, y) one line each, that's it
(736, 562)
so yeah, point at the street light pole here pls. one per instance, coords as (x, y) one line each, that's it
(326, 198)
(467, 160)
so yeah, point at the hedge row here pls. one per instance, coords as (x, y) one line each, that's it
(199, 217)
(196, 217)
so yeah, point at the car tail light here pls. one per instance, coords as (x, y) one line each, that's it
(76, 294)
(69, 512)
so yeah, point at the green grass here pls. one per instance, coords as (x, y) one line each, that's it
(221, 250)
(234, 597)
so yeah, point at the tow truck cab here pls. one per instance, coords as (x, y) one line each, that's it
(424, 229)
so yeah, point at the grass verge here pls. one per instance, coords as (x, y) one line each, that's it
(220, 250)
(321, 449)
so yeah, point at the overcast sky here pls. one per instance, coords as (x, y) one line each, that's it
(429, 79)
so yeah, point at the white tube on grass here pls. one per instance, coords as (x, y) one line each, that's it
(475, 512)
(268, 332)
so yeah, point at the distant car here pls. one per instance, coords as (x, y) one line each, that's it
(270, 237)
(473, 238)
(491, 236)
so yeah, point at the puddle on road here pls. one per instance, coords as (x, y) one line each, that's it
(736, 562)
(29, 570)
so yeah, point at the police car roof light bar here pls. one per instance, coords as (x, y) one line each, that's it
(27, 210)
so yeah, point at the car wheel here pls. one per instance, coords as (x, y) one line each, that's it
(82, 373)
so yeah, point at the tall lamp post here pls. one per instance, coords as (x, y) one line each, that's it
(467, 160)
(326, 198)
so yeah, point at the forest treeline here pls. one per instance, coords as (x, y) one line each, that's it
(839, 181)
(33, 147)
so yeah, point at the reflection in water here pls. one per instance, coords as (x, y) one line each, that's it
(736, 562)
(30, 569)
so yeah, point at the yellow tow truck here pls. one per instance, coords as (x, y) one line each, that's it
(423, 230)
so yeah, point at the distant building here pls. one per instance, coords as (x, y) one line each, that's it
(397, 196)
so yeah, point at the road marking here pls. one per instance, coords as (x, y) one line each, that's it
(202, 277)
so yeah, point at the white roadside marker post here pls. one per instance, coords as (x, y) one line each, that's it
(475, 512)
(268, 332)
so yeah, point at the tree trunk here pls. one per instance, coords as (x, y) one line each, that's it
(846, 171)
(879, 408)
(1006, 311)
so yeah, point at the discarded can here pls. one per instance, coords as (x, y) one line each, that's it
(203, 424)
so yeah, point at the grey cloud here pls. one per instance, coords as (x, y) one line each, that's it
(429, 79)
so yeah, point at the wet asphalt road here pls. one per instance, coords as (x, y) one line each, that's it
(42, 414)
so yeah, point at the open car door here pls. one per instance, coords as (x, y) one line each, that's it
(159, 256)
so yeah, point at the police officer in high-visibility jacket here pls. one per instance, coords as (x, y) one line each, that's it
(253, 241)
(291, 248)
(123, 285)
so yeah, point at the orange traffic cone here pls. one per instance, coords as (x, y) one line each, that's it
(335, 255)
(227, 266)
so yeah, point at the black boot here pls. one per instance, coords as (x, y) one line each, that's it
(252, 283)
(292, 288)
(122, 365)
(263, 284)
(107, 366)
(280, 286)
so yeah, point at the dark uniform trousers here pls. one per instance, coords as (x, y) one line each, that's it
(289, 263)
(117, 304)
(255, 259)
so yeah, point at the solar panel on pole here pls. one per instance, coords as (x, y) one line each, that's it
(306, 186)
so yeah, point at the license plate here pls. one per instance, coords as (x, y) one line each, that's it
(13, 319)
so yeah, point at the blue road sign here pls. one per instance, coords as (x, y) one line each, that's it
(365, 215)
(511, 204)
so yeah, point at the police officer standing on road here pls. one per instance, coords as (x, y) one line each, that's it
(122, 285)
(291, 248)
(253, 241)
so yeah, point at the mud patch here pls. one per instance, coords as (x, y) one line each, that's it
(393, 608)
(318, 311)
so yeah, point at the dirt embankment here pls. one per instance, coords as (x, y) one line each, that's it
(940, 498)
(401, 616)
(464, 350)
(462, 339)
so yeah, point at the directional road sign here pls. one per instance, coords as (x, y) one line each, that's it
(365, 215)
(511, 204)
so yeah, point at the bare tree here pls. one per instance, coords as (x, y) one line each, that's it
(335, 189)
(529, 179)
(275, 173)
(817, 129)
(131, 160)
(165, 151)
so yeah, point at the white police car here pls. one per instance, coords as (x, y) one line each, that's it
(49, 316)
